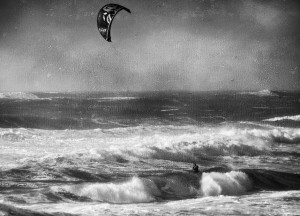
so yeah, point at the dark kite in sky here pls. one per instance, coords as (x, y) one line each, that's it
(105, 18)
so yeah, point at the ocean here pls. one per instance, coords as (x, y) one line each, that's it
(132, 153)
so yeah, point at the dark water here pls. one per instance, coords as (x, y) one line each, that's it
(132, 153)
(108, 110)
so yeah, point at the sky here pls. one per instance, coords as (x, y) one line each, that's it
(188, 45)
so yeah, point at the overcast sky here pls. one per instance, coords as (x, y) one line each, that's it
(198, 45)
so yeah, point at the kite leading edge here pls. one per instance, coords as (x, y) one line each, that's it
(105, 17)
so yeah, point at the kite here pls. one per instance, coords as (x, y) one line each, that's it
(105, 17)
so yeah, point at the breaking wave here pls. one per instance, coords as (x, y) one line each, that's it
(136, 190)
(181, 185)
(115, 98)
(18, 95)
(261, 93)
(173, 186)
(179, 144)
(205, 144)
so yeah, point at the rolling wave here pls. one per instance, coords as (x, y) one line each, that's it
(173, 143)
(143, 187)
(182, 185)
(135, 190)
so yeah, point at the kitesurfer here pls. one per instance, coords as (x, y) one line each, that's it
(195, 168)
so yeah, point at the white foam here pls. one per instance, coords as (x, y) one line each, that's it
(174, 143)
(18, 95)
(231, 183)
(265, 92)
(181, 143)
(292, 118)
(116, 98)
(136, 190)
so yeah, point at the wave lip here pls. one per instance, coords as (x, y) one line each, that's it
(18, 95)
(283, 118)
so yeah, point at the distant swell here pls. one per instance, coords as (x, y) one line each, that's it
(261, 93)
(115, 98)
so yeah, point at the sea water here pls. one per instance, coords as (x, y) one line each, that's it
(132, 153)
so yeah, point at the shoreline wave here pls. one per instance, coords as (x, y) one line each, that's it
(184, 185)
(158, 188)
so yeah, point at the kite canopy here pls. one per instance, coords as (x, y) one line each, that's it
(105, 18)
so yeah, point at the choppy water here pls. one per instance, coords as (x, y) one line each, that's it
(132, 153)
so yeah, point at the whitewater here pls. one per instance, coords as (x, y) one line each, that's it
(132, 153)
